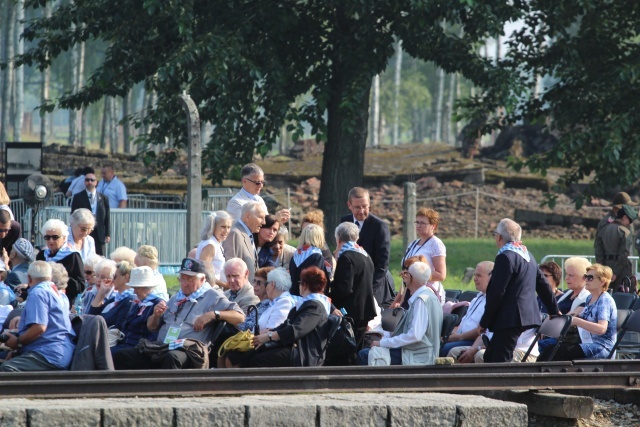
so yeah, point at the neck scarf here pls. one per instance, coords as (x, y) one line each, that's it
(305, 252)
(352, 246)
(119, 296)
(49, 286)
(64, 252)
(181, 298)
(323, 299)
(516, 247)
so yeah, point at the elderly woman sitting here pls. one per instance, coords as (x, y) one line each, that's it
(113, 299)
(81, 223)
(596, 322)
(91, 283)
(135, 324)
(148, 255)
(55, 234)
(60, 278)
(281, 302)
(303, 328)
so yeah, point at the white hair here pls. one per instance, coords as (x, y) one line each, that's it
(210, 223)
(93, 261)
(109, 264)
(252, 207)
(420, 271)
(59, 275)
(236, 262)
(40, 270)
(509, 230)
(56, 225)
(82, 216)
(280, 278)
(347, 232)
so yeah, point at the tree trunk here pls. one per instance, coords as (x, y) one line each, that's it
(73, 85)
(7, 80)
(113, 126)
(396, 94)
(125, 123)
(375, 112)
(81, 124)
(106, 112)
(343, 159)
(451, 131)
(19, 73)
(44, 89)
(439, 105)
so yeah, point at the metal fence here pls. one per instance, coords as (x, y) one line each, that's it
(155, 201)
(19, 207)
(163, 228)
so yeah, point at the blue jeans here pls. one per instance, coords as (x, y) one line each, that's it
(396, 356)
(546, 342)
(446, 348)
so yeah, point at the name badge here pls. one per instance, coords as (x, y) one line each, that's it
(172, 334)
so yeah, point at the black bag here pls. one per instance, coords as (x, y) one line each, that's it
(341, 339)
(391, 317)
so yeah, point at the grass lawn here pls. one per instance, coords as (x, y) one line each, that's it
(463, 253)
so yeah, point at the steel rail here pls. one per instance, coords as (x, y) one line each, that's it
(525, 376)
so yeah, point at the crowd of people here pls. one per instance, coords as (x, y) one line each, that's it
(248, 299)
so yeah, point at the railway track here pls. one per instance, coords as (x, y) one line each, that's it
(601, 374)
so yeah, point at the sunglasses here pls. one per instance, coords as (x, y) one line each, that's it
(588, 277)
(48, 237)
(89, 180)
(263, 183)
(88, 273)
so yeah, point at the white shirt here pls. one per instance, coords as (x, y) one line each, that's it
(234, 206)
(430, 249)
(471, 320)
(77, 185)
(161, 288)
(277, 312)
(524, 341)
(218, 255)
(419, 324)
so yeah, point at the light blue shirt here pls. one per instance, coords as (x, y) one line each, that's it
(603, 309)
(45, 307)
(114, 190)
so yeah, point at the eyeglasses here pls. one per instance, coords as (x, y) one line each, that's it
(259, 282)
(105, 279)
(5, 230)
(421, 223)
(258, 183)
(50, 237)
(86, 229)
(88, 273)
(547, 275)
(588, 277)
(89, 180)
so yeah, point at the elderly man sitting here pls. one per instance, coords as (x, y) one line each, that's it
(190, 313)
(240, 290)
(466, 333)
(44, 341)
(416, 340)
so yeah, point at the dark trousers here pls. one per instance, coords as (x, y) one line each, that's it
(502, 344)
(100, 247)
(131, 358)
(276, 358)
(565, 352)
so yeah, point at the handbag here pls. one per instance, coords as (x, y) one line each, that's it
(115, 336)
(391, 317)
(243, 340)
(341, 339)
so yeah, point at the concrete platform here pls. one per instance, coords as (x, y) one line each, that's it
(349, 409)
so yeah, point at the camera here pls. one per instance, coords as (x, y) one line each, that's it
(4, 337)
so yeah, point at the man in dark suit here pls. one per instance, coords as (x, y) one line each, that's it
(375, 239)
(99, 205)
(352, 288)
(511, 306)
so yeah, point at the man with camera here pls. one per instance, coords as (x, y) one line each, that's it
(44, 340)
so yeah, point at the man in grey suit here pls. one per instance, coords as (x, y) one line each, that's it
(240, 290)
(239, 243)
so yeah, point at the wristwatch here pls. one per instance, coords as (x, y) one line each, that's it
(19, 343)
(479, 348)
(217, 313)
(270, 335)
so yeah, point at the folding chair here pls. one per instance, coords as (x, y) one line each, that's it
(467, 296)
(460, 312)
(448, 323)
(636, 305)
(632, 323)
(623, 300)
(554, 327)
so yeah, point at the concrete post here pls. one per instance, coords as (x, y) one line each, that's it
(194, 177)
(409, 214)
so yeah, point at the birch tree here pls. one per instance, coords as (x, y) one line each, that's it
(18, 104)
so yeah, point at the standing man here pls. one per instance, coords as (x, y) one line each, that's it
(613, 245)
(240, 242)
(511, 306)
(98, 204)
(252, 183)
(44, 339)
(77, 185)
(112, 188)
(375, 239)
(351, 288)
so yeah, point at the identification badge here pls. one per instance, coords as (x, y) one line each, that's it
(172, 334)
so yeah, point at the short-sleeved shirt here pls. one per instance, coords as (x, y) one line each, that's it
(432, 248)
(45, 307)
(603, 309)
(77, 185)
(183, 316)
(471, 320)
(114, 190)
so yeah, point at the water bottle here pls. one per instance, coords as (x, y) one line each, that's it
(78, 304)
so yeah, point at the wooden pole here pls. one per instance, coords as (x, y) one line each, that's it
(194, 177)
(409, 214)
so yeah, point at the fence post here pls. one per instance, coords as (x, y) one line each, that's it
(409, 214)
(477, 208)
(194, 177)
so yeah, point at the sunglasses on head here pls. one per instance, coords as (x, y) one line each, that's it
(54, 237)
(588, 277)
